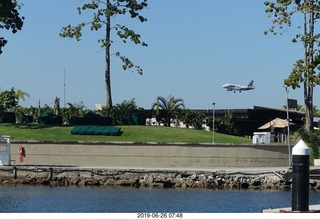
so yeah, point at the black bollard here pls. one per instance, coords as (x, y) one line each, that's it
(300, 177)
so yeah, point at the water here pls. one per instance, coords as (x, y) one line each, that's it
(42, 199)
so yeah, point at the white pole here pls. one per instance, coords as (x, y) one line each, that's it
(213, 122)
(288, 127)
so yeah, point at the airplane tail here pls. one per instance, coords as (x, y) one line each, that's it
(250, 84)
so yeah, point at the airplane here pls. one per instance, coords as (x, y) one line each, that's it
(237, 87)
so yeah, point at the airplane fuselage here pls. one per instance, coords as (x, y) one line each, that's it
(237, 87)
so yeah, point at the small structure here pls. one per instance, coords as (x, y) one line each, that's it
(275, 123)
(5, 150)
(277, 128)
(261, 138)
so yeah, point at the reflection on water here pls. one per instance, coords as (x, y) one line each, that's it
(41, 199)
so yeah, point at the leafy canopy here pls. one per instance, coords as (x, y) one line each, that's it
(305, 70)
(102, 11)
(10, 18)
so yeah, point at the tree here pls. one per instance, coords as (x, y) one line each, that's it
(225, 125)
(169, 107)
(305, 70)
(193, 118)
(299, 108)
(103, 11)
(10, 18)
(313, 140)
(21, 95)
(8, 100)
(75, 110)
(122, 110)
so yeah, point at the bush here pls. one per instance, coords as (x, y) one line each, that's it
(91, 119)
(313, 141)
(50, 119)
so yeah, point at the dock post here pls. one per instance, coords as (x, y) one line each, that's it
(15, 172)
(300, 177)
(50, 173)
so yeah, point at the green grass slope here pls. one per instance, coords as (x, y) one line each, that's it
(128, 134)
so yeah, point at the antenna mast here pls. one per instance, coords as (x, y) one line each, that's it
(64, 88)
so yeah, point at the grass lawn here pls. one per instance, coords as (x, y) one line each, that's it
(129, 134)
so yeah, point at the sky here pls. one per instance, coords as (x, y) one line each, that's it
(194, 47)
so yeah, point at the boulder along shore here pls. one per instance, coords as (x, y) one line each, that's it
(219, 179)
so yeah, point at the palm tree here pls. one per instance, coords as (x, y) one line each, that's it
(169, 107)
(122, 110)
(76, 109)
(21, 95)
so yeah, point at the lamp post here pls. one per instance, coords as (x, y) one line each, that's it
(213, 122)
(288, 127)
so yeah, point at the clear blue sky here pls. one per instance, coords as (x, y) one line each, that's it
(194, 48)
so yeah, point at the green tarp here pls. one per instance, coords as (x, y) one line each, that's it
(95, 130)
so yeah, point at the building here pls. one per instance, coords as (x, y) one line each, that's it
(247, 121)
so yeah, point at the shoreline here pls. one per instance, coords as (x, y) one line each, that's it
(219, 178)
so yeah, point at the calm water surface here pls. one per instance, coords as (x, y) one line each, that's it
(41, 199)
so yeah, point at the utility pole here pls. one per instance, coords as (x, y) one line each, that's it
(213, 122)
(288, 127)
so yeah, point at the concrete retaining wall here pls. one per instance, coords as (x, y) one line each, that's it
(149, 155)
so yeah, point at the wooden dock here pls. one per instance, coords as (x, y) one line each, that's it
(312, 209)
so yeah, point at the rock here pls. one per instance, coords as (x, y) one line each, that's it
(317, 186)
(192, 177)
(43, 175)
(110, 182)
(93, 182)
(75, 181)
(82, 183)
(156, 185)
(189, 183)
(161, 179)
(53, 183)
(148, 179)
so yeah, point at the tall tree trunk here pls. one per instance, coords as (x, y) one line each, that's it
(309, 59)
(107, 66)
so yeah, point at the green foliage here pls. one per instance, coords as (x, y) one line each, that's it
(313, 141)
(102, 11)
(10, 18)
(225, 125)
(8, 100)
(305, 70)
(21, 95)
(72, 110)
(169, 108)
(192, 118)
(122, 110)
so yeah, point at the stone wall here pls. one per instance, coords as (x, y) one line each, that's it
(67, 176)
(149, 155)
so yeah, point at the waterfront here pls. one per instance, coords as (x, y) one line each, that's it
(100, 199)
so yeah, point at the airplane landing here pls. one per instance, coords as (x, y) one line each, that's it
(239, 88)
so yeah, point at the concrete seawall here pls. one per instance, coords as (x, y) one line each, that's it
(148, 155)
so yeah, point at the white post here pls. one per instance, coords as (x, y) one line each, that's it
(300, 177)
